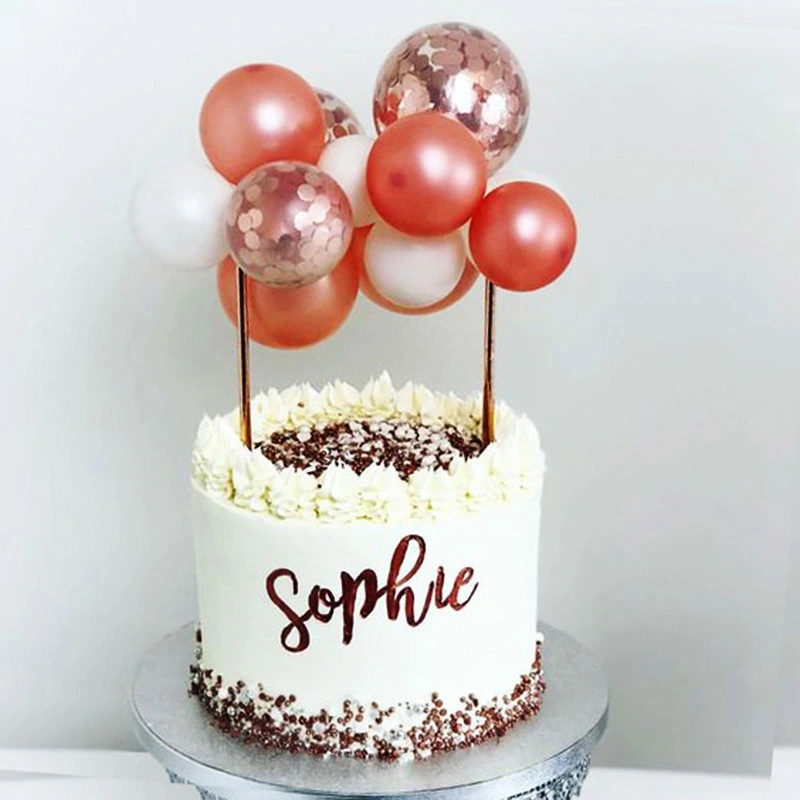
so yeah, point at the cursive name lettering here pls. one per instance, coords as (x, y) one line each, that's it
(361, 595)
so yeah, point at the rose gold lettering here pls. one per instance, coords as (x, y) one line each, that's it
(462, 579)
(350, 586)
(296, 622)
(362, 593)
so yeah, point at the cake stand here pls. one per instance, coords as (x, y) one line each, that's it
(545, 758)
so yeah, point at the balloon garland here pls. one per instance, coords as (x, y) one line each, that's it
(310, 209)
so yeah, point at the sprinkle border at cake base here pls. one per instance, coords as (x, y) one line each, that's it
(363, 730)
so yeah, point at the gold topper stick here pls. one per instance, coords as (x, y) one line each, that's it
(245, 428)
(487, 428)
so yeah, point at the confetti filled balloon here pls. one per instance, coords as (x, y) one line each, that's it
(257, 114)
(522, 236)
(426, 175)
(413, 272)
(289, 224)
(178, 215)
(461, 71)
(339, 117)
(345, 160)
(292, 318)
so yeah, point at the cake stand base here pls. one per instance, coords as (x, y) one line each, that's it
(544, 758)
(565, 787)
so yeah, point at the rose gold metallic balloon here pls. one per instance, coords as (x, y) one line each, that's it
(339, 117)
(426, 175)
(257, 114)
(461, 71)
(522, 236)
(289, 224)
(293, 318)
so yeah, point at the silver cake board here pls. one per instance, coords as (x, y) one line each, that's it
(544, 758)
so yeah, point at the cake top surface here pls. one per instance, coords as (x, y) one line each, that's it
(378, 454)
(405, 446)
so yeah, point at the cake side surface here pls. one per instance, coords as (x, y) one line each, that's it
(363, 613)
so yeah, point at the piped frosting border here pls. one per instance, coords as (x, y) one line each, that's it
(227, 471)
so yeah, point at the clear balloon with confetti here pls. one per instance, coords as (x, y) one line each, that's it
(289, 224)
(340, 119)
(463, 72)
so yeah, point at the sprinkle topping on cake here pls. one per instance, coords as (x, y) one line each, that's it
(357, 444)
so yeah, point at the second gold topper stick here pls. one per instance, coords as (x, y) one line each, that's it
(245, 427)
(487, 426)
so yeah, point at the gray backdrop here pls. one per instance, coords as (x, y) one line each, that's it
(661, 369)
(789, 698)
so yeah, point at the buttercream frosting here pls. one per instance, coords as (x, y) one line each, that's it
(226, 470)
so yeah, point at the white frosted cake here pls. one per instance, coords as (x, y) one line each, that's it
(367, 574)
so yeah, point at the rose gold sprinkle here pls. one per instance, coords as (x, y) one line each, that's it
(318, 210)
(306, 192)
(445, 57)
(314, 179)
(307, 250)
(252, 193)
(320, 235)
(302, 220)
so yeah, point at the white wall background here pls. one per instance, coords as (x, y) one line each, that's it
(662, 370)
(788, 732)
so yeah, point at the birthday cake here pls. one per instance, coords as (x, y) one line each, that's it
(366, 559)
(367, 572)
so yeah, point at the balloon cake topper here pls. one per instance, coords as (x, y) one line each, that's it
(300, 208)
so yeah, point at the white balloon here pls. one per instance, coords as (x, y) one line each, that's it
(464, 233)
(178, 215)
(499, 179)
(413, 271)
(345, 160)
(510, 176)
